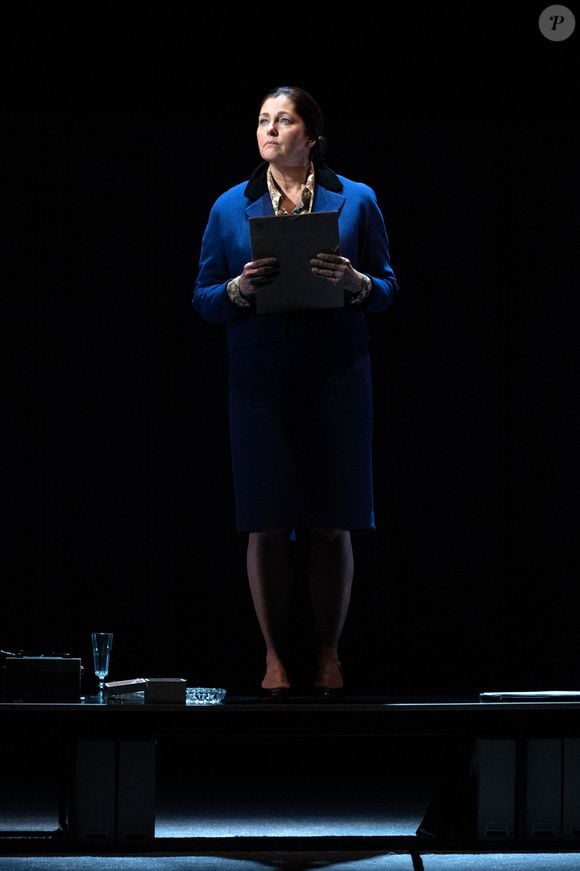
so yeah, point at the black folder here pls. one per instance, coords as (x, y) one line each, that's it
(294, 240)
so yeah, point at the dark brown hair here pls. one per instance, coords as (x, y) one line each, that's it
(309, 111)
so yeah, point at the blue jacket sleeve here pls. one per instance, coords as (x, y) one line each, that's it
(210, 299)
(375, 257)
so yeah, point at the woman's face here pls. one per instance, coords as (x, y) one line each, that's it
(281, 134)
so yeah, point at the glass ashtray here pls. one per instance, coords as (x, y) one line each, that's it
(204, 695)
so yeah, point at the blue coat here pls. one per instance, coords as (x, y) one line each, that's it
(300, 385)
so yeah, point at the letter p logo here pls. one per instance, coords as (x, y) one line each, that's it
(557, 23)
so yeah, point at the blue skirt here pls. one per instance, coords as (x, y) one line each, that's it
(300, 413)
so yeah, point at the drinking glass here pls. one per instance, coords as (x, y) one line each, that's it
(102, 643)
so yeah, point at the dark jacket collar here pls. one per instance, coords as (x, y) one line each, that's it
(257, 185)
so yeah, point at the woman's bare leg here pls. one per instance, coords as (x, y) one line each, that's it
(330, 572)
(270, 575)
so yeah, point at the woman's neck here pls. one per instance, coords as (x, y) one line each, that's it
(289, 177)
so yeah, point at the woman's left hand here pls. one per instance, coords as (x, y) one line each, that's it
(337, 270)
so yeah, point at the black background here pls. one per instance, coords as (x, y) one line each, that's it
(119, 504)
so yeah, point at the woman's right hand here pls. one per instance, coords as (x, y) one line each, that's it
(256, 274)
